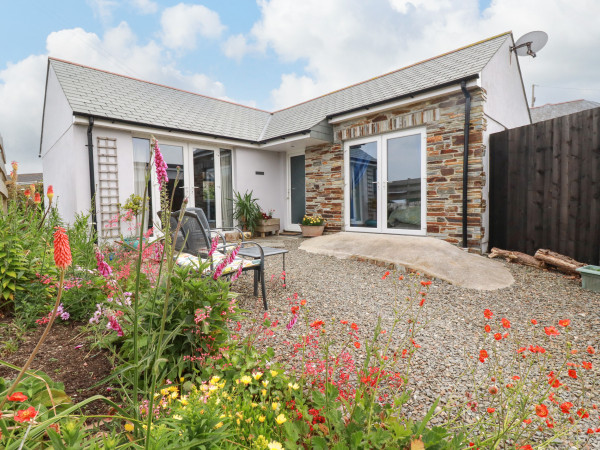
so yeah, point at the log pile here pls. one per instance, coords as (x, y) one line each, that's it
(543, 259)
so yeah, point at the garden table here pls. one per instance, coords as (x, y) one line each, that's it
(254, 252)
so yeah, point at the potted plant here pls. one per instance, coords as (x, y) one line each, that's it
(268, 223)
(132, 208)
(246, 210)
(312, 225)
(590, 277)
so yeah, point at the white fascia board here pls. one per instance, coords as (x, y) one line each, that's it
(404, 101)
(278, 141)
(101, 123)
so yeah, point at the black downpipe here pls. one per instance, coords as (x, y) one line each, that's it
(90, 146)
(463, 86)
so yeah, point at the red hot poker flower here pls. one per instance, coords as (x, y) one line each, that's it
(25, 415)
(541, 410)
(37, 199)
(50, 193)
(62, 249)
(27, 193)
(17, 397)
(488, 314)
(505, 323)
(551, 331)
(564, 322)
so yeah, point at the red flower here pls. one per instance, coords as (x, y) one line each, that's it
(564, 322)
(586, 365)
(498, 336)
(583, 414)
(344, 322)
(505, 323)
(62, 249)
(302, 302)
(354, 326)
(541, 410)
(50, 193)
(549, 424)
(385, 275)
(37, 199)
(483, 355)
(487, 328)
(572, 373)
(516, 377)
(551, 331)
(422, 302)
(357, 344)
(17, 397)
(425, 283)
(317, 324)
(488, 314)
(565, 407)
(590, 431)
(591, 350)
(401, 277)
(493, 390)
(27, 193)
(491, 410)
(25, 415)
(534, 322)
(527, 421)
(295, 309)
(525, 447)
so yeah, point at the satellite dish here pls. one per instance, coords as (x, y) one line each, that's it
(530, 43)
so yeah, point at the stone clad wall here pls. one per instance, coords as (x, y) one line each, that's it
(444, 121)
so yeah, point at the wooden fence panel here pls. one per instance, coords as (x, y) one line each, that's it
(545, 187)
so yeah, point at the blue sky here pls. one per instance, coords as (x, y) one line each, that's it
(274, 53)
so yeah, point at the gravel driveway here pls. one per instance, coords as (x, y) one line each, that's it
(353, 290)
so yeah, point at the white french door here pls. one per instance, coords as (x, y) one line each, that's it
(385, 187)
(296, 189)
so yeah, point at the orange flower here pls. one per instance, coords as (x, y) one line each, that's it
(565, 407)
(17, 397)
(551, 331)
(27, 193)
(541, 410)
(527, 421)
(488, 314)
(62, 249)
(487, 328)
(385, 275)
(491, 410)
(357, 344)
(37, 199)
(505, 323)
(401, 277)
(50, 193)
(564, 322)
(534, 322)
(25, 415)
(493, 390)
(483, 355)
(572, 373)
(425, 283)
(317, 323)
(591, 350)
(302, 302)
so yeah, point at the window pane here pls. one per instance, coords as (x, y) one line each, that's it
(404, 182)
(173, 156)
(363, 185)
(204, 183)
(141, 157)
(226, 189)
(298, 185)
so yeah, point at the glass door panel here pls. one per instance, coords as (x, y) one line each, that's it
(173, 156)
(363, 185)
(204, 183)
(226, 189)
(297, 186)
(141, 159)
(403, 187)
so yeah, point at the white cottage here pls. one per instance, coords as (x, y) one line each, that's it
(383, 156)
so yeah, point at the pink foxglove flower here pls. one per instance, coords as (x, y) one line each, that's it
(161, 166)
(103, 266)
(226, 261)
(237, 274)
(292, 322)
(213, 245)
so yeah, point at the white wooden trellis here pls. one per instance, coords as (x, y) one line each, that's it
(108, 187)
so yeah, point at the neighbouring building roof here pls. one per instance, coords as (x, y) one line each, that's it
(29, 178)
(552, 110)
(104, 94)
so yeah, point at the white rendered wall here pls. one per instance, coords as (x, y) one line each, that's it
(270, 188)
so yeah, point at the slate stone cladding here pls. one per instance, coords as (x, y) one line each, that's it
(443, 118)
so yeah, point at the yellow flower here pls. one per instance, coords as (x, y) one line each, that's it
(219, 425)
(280, 419)
(238, 421)
(181, 380)
(173, 388)
(274, 445)
(274, 373)
(249, 420)
(183, 401)
(263, 392)
(177, 417)
(275, 406)
(257, 375)
(214, 380)
(129, 427)
(174, 394)
(246, 380)
(254, 405)
(164, 392)
(293, 386)
(261, 418)
(265, 383)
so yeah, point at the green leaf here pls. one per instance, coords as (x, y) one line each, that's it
(43, 397)
(356, 439)
(318, 442)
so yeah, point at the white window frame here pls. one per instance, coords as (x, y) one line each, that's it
(381, 140)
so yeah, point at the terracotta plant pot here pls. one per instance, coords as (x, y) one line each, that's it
(311, 230)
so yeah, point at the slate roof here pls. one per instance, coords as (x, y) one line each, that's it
(28, 178)
(552, 110)
(103, 94)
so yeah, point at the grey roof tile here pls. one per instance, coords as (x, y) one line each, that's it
(104, 94)
(552, 110)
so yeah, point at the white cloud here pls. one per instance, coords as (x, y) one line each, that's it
(183, 23)
(352, 40)
(103, 9)
(145, 6)
(22, 83)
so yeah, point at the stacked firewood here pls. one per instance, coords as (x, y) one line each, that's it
(543, 259)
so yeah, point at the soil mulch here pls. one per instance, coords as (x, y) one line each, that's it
(79, 369)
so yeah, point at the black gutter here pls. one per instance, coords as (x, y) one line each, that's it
(463, 87)
(90, 146)
(403, 96)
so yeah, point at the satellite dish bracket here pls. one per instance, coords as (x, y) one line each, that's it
(525, 44)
